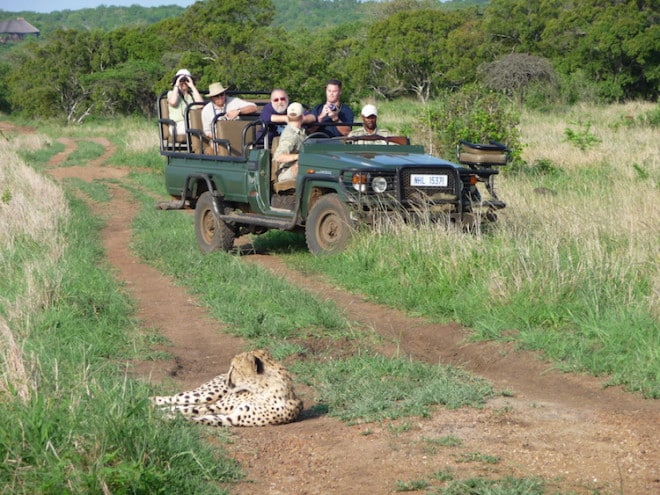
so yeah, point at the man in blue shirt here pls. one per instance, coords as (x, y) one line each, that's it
(273, 114)
(331, 111)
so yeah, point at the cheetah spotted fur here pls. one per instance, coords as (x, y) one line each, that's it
(256, 391)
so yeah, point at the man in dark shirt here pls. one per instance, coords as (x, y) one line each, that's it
(331, 111)
(273, 114)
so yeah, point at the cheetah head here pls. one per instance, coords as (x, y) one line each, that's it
(256, 369)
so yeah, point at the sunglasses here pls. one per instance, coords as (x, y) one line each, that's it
(275, 100)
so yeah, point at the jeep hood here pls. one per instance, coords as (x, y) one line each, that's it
(371, 159)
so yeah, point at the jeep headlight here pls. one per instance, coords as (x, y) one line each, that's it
(379, 184)
(360, 182)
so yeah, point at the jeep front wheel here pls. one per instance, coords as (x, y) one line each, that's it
(212, 233)
(328, 228)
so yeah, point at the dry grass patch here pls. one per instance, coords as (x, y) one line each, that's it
(33, 211)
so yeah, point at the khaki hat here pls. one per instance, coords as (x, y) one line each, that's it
(216, 89)
(369, 110)
(294, 110)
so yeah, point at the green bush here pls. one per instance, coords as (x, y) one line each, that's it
(477, 115)
(582, 137)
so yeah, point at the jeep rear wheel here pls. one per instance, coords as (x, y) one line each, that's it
(212, 233)
(329, 227)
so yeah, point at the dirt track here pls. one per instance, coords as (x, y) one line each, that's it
(567, 429)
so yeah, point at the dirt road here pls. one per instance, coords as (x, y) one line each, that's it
(565, 428)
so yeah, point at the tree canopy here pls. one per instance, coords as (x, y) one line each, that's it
(419, 48)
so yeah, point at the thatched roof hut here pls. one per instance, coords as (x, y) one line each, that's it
(16, 29)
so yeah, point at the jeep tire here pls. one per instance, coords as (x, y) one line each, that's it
(328, 228)
(212, 233)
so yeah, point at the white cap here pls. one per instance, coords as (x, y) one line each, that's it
(294, 110)
(183, 72)
(368, 110)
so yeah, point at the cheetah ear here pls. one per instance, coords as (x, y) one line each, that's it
(259, 364)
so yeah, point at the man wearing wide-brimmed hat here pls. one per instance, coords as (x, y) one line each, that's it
(226, 107)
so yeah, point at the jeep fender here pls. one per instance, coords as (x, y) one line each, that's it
(314, 188)
(189, 187)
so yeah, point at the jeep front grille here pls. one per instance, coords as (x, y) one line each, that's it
(399, 188)
(434, 194)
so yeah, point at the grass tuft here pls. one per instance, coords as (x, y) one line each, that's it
(369, 388)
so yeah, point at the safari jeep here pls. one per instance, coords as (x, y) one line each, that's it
(342, 183)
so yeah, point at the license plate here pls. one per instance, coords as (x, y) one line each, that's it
(427, 180)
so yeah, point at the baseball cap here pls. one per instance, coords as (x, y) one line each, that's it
(368, 110)
(183, 72)
(295, 109)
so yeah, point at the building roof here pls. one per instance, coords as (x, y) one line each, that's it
(17, 26)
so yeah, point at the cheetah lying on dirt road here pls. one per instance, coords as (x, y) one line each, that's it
(256, 391)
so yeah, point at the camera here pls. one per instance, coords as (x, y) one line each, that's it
(332, 107)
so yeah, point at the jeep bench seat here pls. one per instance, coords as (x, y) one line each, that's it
(169, 141)
(228, 140)
(194, 127)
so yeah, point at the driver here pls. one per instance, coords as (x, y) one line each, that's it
(369, 126)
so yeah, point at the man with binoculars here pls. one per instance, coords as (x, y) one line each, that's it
(182, 93)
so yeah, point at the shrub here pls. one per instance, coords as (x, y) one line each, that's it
(582, 137)
(512, 74)
(477, 115)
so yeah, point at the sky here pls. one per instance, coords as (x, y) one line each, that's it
(45, 6)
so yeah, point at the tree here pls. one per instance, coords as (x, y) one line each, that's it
(518, 25)
(466, 48)
(215, 28)
(406, 52)
(513, 73)
(616, 43)
(50, 79)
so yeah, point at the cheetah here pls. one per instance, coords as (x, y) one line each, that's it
(256, 391)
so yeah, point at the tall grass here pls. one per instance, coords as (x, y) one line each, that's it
(72, 421)
(33, 213)
(571, 269)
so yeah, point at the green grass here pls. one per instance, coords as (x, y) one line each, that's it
(445, 483)
(374, 388)
(505, 486)
(96, 190)
(584, 296)
(41, 156)
(256, 305)
(411, 486)
(82, 426)
(584, 313)
(72, 421)
(85, 152)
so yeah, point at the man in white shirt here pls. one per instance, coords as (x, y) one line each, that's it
(228, 108)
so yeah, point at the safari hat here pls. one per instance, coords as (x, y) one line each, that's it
(216, 89)
(294, 110)
(369, 110)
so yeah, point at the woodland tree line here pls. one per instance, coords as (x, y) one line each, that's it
(537, 52)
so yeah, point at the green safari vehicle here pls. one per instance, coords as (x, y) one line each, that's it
(342, 183)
